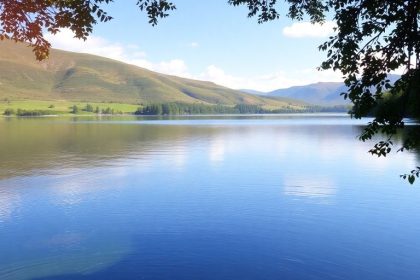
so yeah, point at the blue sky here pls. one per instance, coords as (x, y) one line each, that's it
(212, 41)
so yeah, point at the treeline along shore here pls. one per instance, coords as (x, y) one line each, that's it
(174, 108)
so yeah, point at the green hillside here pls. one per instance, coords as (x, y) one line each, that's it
(76, 77)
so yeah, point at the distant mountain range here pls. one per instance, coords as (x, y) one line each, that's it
(326, 93)
(82, 77)
(323, 93)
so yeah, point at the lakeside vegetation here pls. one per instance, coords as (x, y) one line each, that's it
(197, 109)
(42, 108)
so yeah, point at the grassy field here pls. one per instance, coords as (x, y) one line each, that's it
(63, 107)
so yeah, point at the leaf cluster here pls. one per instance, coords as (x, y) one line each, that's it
(411, 177)
(155, 9)
(27, 20)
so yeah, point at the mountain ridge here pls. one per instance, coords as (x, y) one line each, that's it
(84, 77)
(320, 93)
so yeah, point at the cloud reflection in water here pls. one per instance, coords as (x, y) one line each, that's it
(313, 187)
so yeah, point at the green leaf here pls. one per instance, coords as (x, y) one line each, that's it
(411, 179)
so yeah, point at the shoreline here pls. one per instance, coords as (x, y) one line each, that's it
(183, 115)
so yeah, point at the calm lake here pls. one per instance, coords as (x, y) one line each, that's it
(238, 197)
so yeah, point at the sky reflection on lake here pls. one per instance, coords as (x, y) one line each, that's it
(291, 197)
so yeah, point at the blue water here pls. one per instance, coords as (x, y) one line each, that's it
(255, 197)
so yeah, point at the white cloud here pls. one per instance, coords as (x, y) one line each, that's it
(194, 45)
(144, 63)
(270, 81)
(126, 53)
(217, 75)
(307, 29)
(175, 67)
(132, 54)
(93, 45)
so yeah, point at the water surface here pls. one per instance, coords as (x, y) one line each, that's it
(238, 197)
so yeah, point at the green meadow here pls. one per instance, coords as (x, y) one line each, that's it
(64, 107)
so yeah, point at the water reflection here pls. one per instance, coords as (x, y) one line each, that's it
(72, 191)
(208, 198)
(217, 150)
(312, 187)
(9, 201)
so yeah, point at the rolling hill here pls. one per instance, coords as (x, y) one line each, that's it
(83, 77)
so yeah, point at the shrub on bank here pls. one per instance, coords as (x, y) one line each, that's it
(9, 112)
(32, 113)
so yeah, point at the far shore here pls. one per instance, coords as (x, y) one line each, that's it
(51, 108)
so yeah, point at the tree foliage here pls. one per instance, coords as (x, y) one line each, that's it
(179, 108)
(88, 108)
(27, 20)
(74, 109)
(373, 38)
